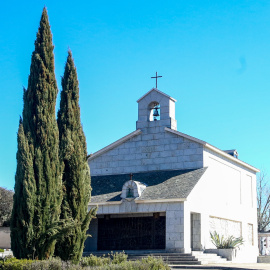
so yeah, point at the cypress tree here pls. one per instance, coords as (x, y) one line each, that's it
(76, 174)
(38, 187)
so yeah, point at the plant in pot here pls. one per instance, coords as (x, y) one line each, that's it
(226, 247)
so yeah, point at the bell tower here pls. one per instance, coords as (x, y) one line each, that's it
(156, 109)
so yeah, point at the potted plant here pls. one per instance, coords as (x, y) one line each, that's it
(226, 247)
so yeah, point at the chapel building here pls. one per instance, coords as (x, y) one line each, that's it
(158, 188)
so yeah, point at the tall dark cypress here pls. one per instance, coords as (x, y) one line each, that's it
(38, 185)
(76, 174)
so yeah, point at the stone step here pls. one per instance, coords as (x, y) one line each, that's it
(203, 262)
(208, 258)
(184, 263)
(160, 254)
(169, 259)
(182, 266)
(212, 259)
(203, 254)
(139, 251)
(139, 254)
(177, 262)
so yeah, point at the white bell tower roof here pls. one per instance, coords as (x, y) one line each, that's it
(155, 89)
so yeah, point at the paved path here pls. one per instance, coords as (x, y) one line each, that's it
(227, 266)
(262, 266)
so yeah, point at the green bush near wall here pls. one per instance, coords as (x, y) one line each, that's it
(15, 264)
(115, 261)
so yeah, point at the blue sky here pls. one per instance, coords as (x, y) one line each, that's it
(214, 57)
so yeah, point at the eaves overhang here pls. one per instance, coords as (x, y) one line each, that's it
(139, 201)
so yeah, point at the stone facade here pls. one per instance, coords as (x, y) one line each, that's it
(153, 150)
(174, 213)
(222, 199)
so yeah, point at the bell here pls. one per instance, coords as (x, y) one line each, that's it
(155, 114)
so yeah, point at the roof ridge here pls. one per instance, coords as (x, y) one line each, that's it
(155, 89)
(114, 144)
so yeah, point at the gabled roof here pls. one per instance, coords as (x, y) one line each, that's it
(161, 185)
(205, 144)
(113, 145)
(155, 89)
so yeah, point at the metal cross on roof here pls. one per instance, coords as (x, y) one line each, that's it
(156, 77)
(131, 176)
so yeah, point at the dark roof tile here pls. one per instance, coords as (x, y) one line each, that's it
(160, 185)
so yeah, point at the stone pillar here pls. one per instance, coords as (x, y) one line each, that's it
(205, 231)
(174, 227)
(187, 227)
(196, 231)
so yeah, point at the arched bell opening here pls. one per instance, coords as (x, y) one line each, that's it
(130, 192)
(154, 111)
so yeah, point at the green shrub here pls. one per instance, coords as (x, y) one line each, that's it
(118, 261)
(54, 264)
(15, 264)
(149, 263)
(1, 250)
(122, 266)
(118, 258)
(223, 243)
(95, 261)
(155, 263)
(51, 264)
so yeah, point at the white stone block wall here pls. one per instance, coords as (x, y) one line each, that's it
(225, 227)
(233, 194)
(174, 213)
(220, 193)
(154, 149)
